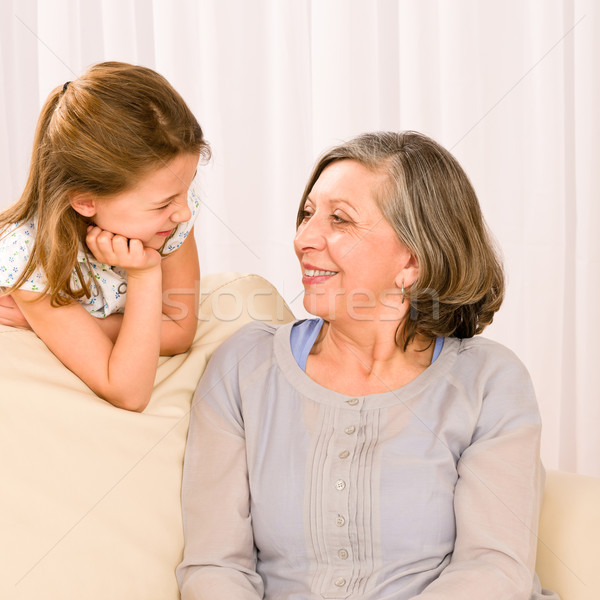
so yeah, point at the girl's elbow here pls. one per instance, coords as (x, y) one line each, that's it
(178, 343)
(181, 347)
(138, 407)
(133, 402)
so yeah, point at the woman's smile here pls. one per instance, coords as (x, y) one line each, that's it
(312, 274)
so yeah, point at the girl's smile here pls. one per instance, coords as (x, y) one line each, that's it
(151, 210)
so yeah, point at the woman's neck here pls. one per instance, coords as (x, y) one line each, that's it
(360, 360)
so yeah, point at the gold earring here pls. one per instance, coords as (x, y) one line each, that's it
(402, 292)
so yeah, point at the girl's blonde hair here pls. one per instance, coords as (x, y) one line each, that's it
(434, 210)
(100, 133)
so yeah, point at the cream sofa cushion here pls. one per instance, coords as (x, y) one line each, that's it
(568, 558)
(90, 498)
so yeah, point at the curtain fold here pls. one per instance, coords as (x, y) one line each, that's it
(511, 89)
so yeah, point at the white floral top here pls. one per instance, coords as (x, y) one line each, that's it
(108, 285)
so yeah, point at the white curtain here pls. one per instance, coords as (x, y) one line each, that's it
(511, 88)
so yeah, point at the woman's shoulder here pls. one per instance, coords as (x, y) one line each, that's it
(490, 366)
(497, 383)
(242, 355)
(256, 336)
(487, 351)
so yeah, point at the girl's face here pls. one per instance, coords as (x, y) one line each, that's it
(149, 211)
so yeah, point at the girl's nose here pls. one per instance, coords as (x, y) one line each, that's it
(182, 213)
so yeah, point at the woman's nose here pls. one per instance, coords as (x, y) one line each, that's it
(310, 234)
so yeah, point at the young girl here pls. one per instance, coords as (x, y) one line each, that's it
(104, 229)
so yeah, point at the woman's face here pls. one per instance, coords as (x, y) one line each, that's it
(352, 261)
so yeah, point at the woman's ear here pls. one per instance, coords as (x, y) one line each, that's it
(84, 203)
(409, 273)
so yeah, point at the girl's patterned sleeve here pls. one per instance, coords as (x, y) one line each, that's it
(16, 242)
(182, 230)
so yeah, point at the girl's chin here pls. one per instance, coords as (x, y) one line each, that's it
(159, 240)
(155, 244)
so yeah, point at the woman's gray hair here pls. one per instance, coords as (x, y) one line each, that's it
(431, 204)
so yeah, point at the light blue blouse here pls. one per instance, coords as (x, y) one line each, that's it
(304, 334)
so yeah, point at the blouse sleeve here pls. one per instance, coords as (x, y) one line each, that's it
(219, 555)
(183, 229)
(16, 243)
(497, 497)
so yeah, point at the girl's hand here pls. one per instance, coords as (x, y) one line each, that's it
(11, 315)
(119, 251)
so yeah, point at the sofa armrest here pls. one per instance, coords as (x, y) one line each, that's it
(568, 558)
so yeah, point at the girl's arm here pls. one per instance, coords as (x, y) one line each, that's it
(10, 314)
(180, 280)
(121, 372)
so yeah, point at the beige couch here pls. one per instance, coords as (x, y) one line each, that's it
(89, 497)
(568, 559)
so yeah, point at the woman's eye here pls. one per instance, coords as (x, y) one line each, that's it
(337, 219)
(306, 214)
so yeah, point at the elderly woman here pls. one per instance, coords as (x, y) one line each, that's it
(379, 450)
